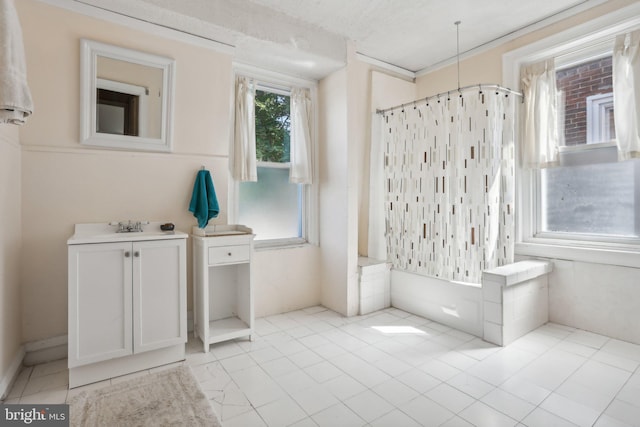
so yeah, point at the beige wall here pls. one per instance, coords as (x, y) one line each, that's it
(360, 140)
(344, 122)
(332, 135)
(65, 183)
(384, 91)
(286, 279)
(358, 136)
(344, 143)
(10, 231)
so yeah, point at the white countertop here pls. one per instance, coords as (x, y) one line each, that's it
(221, 230)
(105, 233)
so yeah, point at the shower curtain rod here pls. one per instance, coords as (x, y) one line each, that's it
(452, 92)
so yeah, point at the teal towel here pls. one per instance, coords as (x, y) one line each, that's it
(204, 203)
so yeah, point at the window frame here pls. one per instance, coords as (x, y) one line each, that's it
(280, 84)
(597, 108)
(577, 44)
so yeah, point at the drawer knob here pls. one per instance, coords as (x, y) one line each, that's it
(229, 254)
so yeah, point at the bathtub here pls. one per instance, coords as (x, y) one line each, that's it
(455, 304)
(511, 301)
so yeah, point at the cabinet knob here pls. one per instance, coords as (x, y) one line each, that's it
(229, 254)
(127, 254)
(136, 254)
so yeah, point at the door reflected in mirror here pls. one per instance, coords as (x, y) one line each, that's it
(126, 98)
(118, 113)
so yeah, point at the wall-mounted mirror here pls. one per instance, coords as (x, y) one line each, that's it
(126, 98)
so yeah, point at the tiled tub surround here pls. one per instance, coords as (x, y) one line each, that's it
(455, 304)
(515, 299)
(375, 284)
(314, 367)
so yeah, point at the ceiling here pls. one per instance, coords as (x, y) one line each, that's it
(311, 38)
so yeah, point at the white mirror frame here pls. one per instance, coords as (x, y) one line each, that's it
(89, 52)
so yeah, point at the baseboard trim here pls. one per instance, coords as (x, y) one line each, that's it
(46, 350)
(54, 348)
(12, 373)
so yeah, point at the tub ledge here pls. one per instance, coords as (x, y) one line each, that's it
(515, 300)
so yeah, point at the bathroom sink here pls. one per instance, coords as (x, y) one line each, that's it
(105, 233)
(129, 235)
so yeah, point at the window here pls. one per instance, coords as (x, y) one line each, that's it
(279, 212)
(590, 193)
(272, 206)
(590, 199)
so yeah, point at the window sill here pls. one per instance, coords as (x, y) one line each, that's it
(269, 245)
(596, 253)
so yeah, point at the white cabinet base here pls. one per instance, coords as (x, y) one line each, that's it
(228, 329)
(223, 295)
(99, 371)
(127, 301)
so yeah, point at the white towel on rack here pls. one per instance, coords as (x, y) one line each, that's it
(15, 98)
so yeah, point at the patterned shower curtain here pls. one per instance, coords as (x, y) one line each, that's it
(449, 185)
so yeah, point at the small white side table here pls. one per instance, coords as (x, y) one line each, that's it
(223, 291)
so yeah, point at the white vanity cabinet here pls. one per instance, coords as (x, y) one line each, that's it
(127, 303)
(223, 291)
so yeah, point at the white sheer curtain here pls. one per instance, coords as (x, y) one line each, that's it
(301, 171)
(243, 153)
(626, 94)
(541, 134)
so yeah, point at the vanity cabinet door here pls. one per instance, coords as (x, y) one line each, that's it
(159, 294)
(100, 302)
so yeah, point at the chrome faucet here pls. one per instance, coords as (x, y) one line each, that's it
(130, 227)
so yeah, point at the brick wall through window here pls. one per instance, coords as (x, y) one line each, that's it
(577, 83)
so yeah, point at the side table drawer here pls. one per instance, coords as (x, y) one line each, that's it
(229, 254)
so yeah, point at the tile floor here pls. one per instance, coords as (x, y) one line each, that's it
(313, 367)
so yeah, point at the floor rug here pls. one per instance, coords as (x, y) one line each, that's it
(166, 398)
